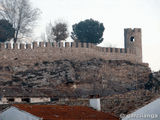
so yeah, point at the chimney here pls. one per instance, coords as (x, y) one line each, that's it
(95, 103)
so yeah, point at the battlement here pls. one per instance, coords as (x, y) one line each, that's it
(50, 45)
(133, 30)
(43, 51)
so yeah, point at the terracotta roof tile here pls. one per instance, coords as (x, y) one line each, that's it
(58, 112)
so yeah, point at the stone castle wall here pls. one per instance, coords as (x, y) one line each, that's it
(42, 51)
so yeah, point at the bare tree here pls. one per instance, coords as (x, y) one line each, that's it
(43, 37)
(50, 36)
(20, 14)
(58, 32)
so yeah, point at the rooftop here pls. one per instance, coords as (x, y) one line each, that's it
(57, 112)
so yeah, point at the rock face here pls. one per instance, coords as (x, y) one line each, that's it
(153, 82)
(73, 78)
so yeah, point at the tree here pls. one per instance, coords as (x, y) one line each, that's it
(90, 31)
(60, 31)
(50, 36)
(20, 14)
(43, 37)
(6, 31)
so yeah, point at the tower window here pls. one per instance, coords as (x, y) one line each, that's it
(132, 39)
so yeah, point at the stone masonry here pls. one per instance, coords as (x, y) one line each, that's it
(36, 52)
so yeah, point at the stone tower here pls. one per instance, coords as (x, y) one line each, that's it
(133, 41)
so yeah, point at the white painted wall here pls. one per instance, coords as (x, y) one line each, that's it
(95, 103)
(39, 100)
(3, 101)
(17, 100)
(14, 113)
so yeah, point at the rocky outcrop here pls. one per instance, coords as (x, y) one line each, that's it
(122, 85)
(73, 78)
(153, 84)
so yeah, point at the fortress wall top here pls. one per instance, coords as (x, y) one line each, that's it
(41, 45)
(38, 51)
(50, 51)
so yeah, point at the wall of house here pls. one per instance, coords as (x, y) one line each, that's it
(39, 100)
(8, 100)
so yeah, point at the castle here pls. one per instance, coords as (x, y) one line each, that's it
(22, 71)
(36, 52)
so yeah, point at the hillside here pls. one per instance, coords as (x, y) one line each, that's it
(122, 85)
(73, 78)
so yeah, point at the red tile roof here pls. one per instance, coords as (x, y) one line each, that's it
(58, 112)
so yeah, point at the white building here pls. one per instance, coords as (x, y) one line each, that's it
(149, 112)
(95, 103)
(14, 113)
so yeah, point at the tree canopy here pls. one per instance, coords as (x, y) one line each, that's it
(20, 14)
(89, 30)
(6, 30)
(58, 32)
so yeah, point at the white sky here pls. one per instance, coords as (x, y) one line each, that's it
(115, 14)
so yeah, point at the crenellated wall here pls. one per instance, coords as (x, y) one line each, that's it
(52, 51)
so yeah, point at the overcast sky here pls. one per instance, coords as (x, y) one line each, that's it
(115, 14)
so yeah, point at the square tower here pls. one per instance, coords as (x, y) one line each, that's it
(133, 41)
